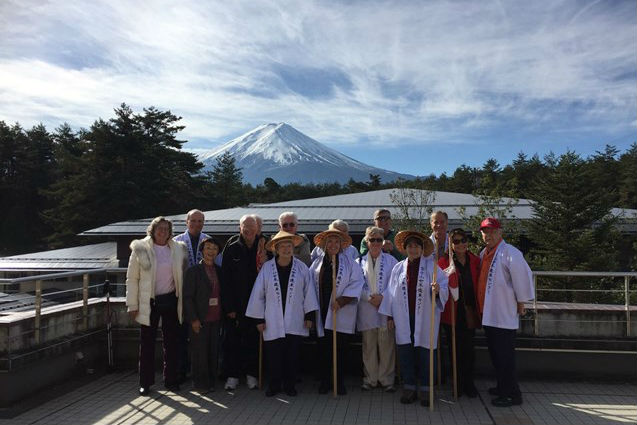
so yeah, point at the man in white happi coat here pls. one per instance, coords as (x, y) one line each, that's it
(192, 237)
(504, 285)
(379, 345)
(407, 303)
(342, 303)
(284, 302)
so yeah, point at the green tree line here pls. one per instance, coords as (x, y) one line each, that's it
(56, 184)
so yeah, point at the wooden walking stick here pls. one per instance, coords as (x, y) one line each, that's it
(453, 350)
(431, 338)
(438, 364)
(260, 360)
(334, 356)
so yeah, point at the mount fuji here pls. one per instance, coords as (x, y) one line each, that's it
(283, 153)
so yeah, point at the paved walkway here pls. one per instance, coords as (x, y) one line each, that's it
(112, 399)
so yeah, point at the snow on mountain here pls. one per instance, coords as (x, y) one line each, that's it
(285, 154)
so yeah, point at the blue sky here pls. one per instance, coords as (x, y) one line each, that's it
(411, 86)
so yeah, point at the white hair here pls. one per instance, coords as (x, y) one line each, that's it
(246, 217)
(287, 214)
(373, 230)
(258, 219)
(337, 224)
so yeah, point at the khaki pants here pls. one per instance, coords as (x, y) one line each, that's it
(379, 356)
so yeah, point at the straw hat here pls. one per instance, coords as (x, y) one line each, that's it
(401, 237)
(321, 238)
(283, 236)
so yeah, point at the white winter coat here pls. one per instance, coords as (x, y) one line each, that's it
(140, 276)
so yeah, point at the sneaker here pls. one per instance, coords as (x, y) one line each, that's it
(366, 387)
(270, 392)
(408, 397)
(253, 383)
(507, 401)
(389, 389)
(144, 391)
(291, 392)
(231, 384)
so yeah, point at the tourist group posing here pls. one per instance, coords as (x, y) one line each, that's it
(257, 298)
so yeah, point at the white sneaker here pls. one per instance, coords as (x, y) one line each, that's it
(253, 383)
(231, 384)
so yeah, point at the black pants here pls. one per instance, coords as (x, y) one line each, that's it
(501, 343)
(325, 355)
(163, 307)
(183, 333)
(465, 354)
(204, 347)
(241, 347)
(282, 357)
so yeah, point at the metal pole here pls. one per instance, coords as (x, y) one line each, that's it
(627, 303)
(38, 309)
(85, 300)
(536, 331)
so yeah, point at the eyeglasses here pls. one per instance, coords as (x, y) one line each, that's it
(380, 240)
(383, 218)
(286, 225)
(457, 241)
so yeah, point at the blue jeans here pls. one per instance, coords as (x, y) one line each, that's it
(414, 363)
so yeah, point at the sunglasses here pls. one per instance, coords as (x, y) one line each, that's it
(286, 225)
(383, 218)
(457, 241)
(375, 240)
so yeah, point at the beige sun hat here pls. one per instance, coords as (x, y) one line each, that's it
(283, 236)
(321, 238)
(402, 236)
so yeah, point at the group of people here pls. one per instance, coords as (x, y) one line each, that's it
(396, 289)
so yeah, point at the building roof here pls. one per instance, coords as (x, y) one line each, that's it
(315, 214)
(101, 255)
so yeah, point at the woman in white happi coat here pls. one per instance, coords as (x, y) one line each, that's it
(379, 345)
(283, 301)
(342, 303)
(407, 303)
(349, 250)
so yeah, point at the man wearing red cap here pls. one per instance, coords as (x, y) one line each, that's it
(504, 285)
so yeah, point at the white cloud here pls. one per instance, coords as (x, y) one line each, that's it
(417, 71)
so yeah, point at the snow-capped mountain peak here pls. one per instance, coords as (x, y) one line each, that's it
(280, 151)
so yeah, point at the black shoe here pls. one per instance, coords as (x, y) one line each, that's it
(272, 391)
(507, 401)
(324, 387)
(494, 391)
(341, 390)
(408, 397)
(424, 398)
(291, 392)
(172, 387)
(144, 391)
(470, 391)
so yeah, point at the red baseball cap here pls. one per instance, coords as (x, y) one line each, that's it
(490, 223)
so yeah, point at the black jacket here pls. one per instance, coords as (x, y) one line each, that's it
(239, 271)
(197, 292)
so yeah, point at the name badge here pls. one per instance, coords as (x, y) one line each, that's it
(213, 301)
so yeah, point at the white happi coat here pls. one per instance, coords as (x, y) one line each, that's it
(368, 316)
(265, 300)
(509, 281)
(349, 283)
(395, 303)
(193, 257)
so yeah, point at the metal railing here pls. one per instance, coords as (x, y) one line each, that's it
(86, 287)
(625, 290)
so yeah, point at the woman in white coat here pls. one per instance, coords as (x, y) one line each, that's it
(283, 301)
(379, 345)
(407, 303)
(349, 283)
(153, 289)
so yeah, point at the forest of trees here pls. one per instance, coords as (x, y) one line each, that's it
(55, 184)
